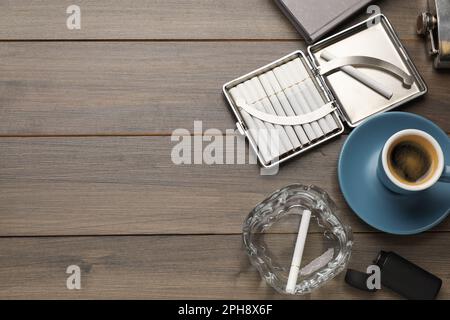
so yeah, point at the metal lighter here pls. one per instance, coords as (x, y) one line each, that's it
(434, 24)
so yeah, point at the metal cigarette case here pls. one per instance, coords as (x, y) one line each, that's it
(371, 46)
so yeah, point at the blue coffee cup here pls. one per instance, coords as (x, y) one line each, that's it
(434, 168)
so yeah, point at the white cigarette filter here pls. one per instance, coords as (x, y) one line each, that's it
(293, 100)
(274, 100)
(299, 95)
(306, 91)
(260, 95)
(361, 77)
(254, 125)
(267, 130)
(312, 89)
(275, 144)
(298, 252)
(299, 130)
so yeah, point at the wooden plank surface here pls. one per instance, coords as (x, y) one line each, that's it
(109, 88)
(86, 176)
(199, 267)
(170, 19)
(129, 185)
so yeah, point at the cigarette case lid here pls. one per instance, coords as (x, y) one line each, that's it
(372, 38)
(315, 18)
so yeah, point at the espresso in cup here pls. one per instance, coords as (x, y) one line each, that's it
(411, 161)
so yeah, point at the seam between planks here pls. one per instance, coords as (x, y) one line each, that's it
(137, 235)
(111, 135)
(174, 40)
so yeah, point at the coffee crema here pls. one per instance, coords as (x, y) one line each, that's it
(412, 160)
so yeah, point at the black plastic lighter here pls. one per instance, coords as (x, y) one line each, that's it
(406, 278)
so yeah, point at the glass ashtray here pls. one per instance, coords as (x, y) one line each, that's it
(270, 233)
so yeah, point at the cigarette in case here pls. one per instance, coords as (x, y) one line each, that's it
(314, 91)
(286, 102)
(282, 107)
(361, 77)
(307, 94)
(321, 127)
(276, 146)
(254, 126)
(294, 101)
(261, 96)
(264, 104)
(266, 130)
(304, 105)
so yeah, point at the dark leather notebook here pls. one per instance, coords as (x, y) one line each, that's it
(314, 18)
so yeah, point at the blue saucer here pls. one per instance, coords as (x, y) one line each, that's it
(369, 199)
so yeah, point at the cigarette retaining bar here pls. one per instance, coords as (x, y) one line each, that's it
(361, 77)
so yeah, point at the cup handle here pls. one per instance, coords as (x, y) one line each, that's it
(445, 175)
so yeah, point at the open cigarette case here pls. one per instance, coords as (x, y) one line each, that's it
(304, 99)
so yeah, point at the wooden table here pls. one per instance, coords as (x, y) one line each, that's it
(86, 176)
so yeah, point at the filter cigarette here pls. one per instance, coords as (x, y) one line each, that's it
(331, 121)
(293, 100)
(274, 145)
(254, 127)
(313, 91)
(267, 103)
(299, 130)
(305, 107)
(292, 71)
(298, 252)
(361, 77)
(258, 93)
(274, 100)
(324, 124)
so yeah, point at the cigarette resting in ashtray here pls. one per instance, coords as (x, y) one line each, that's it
(298, 252)
(361, 77)
(313, 266)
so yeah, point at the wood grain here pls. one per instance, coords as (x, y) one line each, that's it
(129, 185)
(170, 19)
(110, 88)
(196, 267)
(86, 176)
